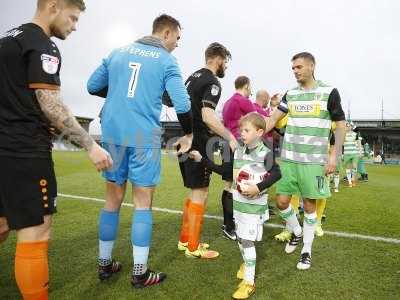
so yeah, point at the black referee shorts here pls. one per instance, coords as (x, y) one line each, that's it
(227, 161)
(194, 174)
(28, 190)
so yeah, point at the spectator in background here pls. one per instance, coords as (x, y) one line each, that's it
(262, 101)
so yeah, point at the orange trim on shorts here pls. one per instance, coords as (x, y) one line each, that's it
(44, 86)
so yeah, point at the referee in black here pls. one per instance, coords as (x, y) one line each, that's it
(204, 90)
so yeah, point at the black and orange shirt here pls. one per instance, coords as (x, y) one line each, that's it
(29, 60)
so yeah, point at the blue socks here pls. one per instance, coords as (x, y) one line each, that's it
(108, 227)
(142, 226)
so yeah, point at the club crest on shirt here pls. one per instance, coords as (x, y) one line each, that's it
(49, 63)
(214, 90)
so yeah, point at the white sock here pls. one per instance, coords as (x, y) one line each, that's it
(292, 223)
(105, 250)
(336, 180)
(140, 257)
(310, 221)
(249, 257)
(348, 175)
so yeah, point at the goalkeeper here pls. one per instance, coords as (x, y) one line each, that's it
(254, 170)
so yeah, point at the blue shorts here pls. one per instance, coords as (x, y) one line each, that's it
(141, 166)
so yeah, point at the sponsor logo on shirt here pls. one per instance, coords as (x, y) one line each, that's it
(49, 63)
(312, 109)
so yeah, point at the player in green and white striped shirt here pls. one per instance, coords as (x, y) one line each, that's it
(351, 154)
(311, 107)
(364, 154)
(254, 170)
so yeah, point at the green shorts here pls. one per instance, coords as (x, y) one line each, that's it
(350, 159)
(309, 181)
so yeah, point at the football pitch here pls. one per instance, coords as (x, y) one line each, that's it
(358, 257)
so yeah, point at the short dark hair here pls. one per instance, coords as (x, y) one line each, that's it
(77, 3)
(165, 21)
(216, 49)
(241, 81)
(305, 55)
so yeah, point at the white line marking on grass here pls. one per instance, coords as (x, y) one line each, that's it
(178, 212)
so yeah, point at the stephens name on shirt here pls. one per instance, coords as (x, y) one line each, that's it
(141, 52)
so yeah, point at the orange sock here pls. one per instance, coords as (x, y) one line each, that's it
(32, 270)
(195, 220)
(184, 236)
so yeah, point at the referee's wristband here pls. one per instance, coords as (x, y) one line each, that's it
(186, 121)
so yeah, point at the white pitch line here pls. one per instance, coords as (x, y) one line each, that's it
(172, 211)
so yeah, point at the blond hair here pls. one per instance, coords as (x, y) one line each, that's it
(77, 3)
(254, 119)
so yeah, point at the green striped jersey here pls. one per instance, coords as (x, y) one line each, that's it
(306, 139)
(350, 145)
(248, 167)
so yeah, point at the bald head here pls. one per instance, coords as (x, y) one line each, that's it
(262, 98)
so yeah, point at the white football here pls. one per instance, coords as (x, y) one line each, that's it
(250, 174)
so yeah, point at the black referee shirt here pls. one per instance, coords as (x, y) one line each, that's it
(29, 60)
(204, 90)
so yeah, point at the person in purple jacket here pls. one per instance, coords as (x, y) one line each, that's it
(235, 107)
(239, 105)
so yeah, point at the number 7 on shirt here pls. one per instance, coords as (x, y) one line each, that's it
(134, 78)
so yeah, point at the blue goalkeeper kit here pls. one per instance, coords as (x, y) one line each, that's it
(135, 77)
(133, 80)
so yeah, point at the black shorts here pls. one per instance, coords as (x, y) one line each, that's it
(227, 161)
(194, 174)
(28, 190)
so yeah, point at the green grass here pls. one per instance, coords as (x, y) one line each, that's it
(342, 268)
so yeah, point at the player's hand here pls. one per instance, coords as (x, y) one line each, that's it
(330, 167)
(183, 144)
(249, 190)
(100, 157)
(195, 155)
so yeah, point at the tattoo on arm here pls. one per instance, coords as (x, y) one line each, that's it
(62, 118)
